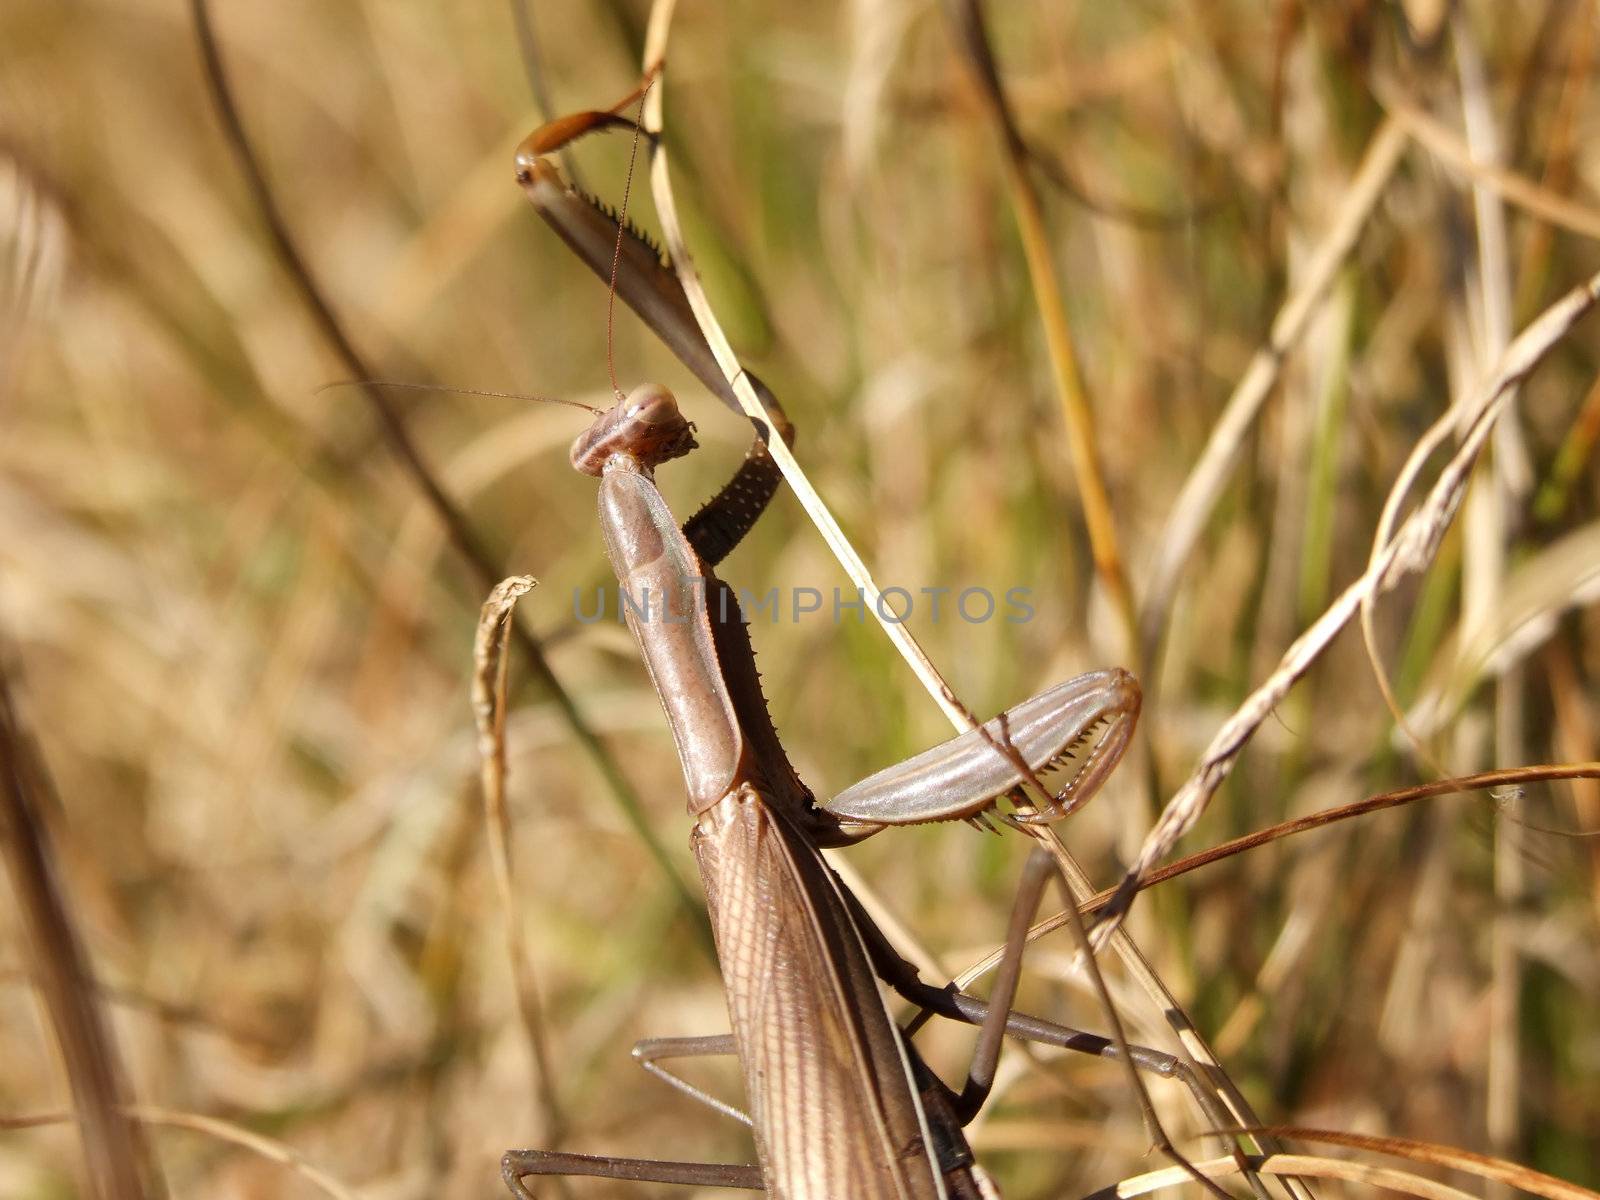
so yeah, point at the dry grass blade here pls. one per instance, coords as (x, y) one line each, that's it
(1411, 550)
(1512, 777)
(114, 1154)
(1384, 1178)
(1198, 496)
(1486, 539)
(966, 17)
(489, 676)
(213, 1127)
(1453, 152)
(1093, 905)
(1561, 577)
(1435, 436)
(816, 508)
(1195, 1049)
(1160, 1139)
(1497, 1170)
(1077, 414)
(228, 1131)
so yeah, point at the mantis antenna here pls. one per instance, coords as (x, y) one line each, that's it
(616, 253)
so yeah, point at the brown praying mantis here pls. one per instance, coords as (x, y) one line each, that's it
(841, 1103)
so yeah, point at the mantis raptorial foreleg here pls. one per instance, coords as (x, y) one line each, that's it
(1092, 715)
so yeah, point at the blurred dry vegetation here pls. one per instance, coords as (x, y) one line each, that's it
(243, 641)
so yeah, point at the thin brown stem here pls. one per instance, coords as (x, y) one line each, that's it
(480, 562)
(114, 1153)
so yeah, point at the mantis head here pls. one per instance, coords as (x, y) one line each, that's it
(644, 426)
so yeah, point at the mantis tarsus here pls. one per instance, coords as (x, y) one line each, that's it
(841, 1104)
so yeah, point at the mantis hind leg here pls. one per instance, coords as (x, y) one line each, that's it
(517, 1163)
(649, 1053)
(995, 1016)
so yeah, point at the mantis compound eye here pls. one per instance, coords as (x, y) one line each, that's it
(653, 405)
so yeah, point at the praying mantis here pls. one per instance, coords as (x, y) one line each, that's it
(841, 1103)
